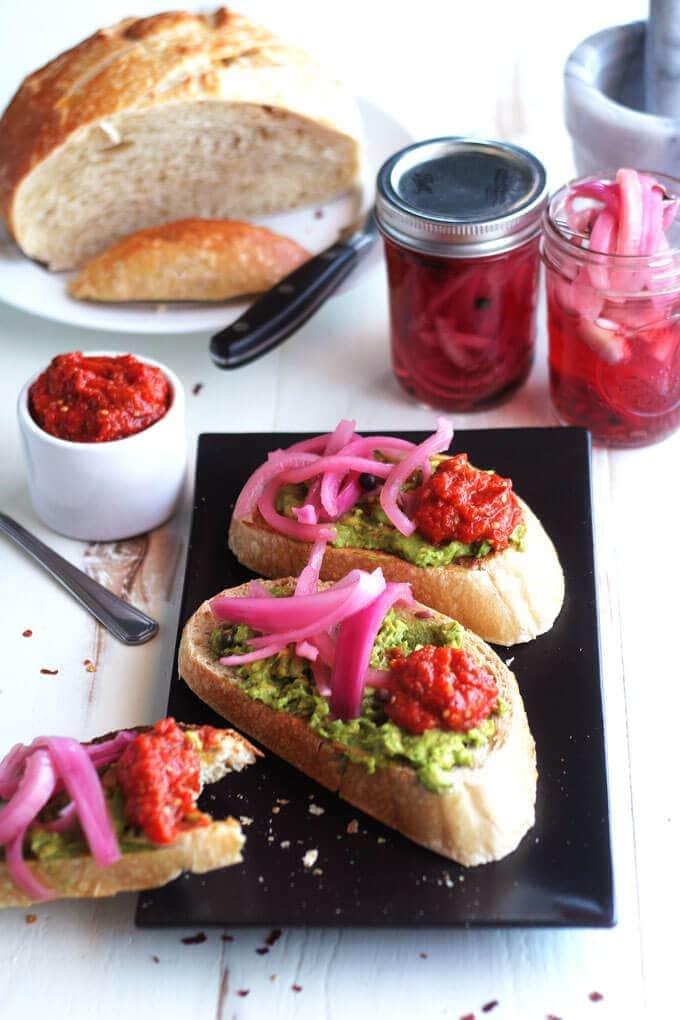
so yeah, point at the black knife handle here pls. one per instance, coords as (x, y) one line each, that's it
(284, 308)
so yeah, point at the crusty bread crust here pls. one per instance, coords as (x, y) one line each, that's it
(480, 818)
(153, 119)
(506, 598)
(202, 849)
(189, 260)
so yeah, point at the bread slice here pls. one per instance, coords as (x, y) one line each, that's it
(480, 818)
(190, 260)
(162, 118)
(506, 597)
(201, 849)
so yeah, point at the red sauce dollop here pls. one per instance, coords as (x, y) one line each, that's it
(159, 775)
(98, 399)
(460, 503)
(439, 687)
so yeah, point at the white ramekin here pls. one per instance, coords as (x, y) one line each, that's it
(107, 491)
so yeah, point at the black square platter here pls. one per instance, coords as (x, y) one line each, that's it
(561, 874)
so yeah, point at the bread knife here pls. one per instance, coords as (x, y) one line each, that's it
(278, 313)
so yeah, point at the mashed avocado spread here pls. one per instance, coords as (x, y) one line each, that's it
(50, 846)
(284, 682)
(366, 526)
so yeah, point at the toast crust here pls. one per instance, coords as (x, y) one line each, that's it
(189, 260)
(507, 597)
(480, 818)
(203, 849)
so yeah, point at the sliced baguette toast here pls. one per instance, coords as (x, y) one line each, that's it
(507, 597)
(481, 817)
(199, 850)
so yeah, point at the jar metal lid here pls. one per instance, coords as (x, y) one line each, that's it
(460, 197)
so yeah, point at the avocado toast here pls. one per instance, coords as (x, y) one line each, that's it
(82, 830)
(467, 794)
(506, 585)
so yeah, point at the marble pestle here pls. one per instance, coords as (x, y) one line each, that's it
(662, 58)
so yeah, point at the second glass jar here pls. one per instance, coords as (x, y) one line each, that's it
(460, 220)
(614, 329)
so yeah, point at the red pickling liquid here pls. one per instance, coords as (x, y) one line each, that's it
(159, 775)
(98, 399)
(460, 503)
(631, 395)
(441, 688)
(463, 329)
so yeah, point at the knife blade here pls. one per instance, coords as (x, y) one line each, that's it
(281, 311)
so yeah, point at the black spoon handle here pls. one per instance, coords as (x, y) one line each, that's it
(286, 307)
(125, 622)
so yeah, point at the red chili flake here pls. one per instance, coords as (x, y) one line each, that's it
(243, 992)
(156, 959)
(273, 937)
(49, 672)
(27, 633)
(89, 665)
(197, 388)
(195, 940)
(488, 1006)
(423, 956)
(296, 988)
(31, 918)
(468, 1016)
(596, 996)
(227, 938)
(262, 950)
(352, 827)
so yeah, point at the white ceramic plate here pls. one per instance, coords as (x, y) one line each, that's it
(29, 286)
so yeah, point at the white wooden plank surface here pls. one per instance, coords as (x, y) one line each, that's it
(440, 68)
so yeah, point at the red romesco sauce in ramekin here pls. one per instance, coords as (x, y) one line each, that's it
(99, 398)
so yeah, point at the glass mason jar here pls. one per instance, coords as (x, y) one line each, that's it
(460, 219)
(614, 333)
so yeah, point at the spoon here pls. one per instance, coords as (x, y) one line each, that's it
(127, 624)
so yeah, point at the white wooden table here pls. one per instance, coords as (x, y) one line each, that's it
(441, 68)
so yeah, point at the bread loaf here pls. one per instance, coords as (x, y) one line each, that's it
(191, 260)
(163, 118)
